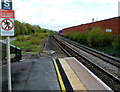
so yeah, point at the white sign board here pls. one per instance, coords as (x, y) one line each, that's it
(7, 22)
(108, 30)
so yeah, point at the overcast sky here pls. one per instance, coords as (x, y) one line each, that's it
(59, 14)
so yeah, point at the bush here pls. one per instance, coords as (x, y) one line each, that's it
(36, 41)
(71, 35)
(83, 37)
(94, 37)
(30, 37)
(116, 42)
(98, 37)
(21, 38)
(40, 35)
(107, 39)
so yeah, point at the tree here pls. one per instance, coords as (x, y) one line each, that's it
(26, 29)
(29, 27)
(17, 28)
(23, 29)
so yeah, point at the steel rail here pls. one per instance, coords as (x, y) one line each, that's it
(63, 45)
(92, 51)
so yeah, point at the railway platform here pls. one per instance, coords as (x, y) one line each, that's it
(62, 74)
(79, 77)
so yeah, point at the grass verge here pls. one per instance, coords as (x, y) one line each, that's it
(31, 43)
(109, 50)
(99, 39)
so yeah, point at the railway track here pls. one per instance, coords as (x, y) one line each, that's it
(107, 58)
(74, 49)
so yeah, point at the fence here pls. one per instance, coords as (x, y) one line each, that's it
(14, 51)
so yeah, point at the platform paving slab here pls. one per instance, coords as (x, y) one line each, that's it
(42, 76)
(90, 82)
(32, 74)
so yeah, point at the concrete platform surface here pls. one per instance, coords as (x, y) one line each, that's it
(47, 74)
(87, 78)
(42, 76)
(32, 74)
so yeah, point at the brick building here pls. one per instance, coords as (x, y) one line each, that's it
(109, 25)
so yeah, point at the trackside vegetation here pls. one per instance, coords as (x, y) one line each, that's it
(30, 38)
(97, 38)
(33, 43)
(27, 29)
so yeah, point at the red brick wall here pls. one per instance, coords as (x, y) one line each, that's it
(113, 23)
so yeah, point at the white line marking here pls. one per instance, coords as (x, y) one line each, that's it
(99, 80)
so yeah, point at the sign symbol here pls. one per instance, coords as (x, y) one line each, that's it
(7, 24)
(6, 4)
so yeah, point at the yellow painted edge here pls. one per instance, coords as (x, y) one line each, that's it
(74, 80)
(59, 76)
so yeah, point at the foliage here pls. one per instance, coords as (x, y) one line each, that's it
(30, 37)
(40, 35)
(26, 29)
(20, 29)
(17, 27)
(35, 41)
(95, 37)
(31, 43)
(21, 38)
(83, 37)
(116, 42)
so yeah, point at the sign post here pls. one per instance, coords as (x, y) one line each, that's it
(8, 64)
(7, 29)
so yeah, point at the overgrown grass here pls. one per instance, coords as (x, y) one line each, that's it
(35, 41)
(21, 38)
(116, 42)
(28, 47)
(3, 37)
(40, 35)
(93, 38)
(96, 38)
(110, 50)
(32, 43)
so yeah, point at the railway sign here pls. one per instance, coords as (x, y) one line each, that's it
(7, 29)
(7, 22)
(6, 4)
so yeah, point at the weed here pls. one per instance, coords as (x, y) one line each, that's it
(40, 35)
(116, 42)
(35, 41)
(21, 38)
(93, 38)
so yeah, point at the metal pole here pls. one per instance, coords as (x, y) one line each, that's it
(8, 64)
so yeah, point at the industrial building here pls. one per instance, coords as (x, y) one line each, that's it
(109, 25)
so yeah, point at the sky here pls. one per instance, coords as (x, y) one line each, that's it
(59, 14)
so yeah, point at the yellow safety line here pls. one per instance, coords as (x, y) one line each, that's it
(74, 80)
(59, 76)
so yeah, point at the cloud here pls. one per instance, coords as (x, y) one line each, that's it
(99, 1)
(119, 9)
(107, 1)
(58, 14)
(24, 11)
